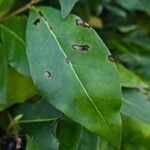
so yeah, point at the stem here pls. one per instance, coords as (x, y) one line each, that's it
(12, 123)
(20, 10)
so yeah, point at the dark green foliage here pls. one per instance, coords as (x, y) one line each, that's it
(62, 88)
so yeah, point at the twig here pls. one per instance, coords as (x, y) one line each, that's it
(12, 123)
(20, 10)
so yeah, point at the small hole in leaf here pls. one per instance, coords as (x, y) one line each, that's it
(111, 58)
(80, 47)
(47, 74)
(36, 21)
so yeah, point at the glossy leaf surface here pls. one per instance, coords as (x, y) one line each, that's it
(78, 75)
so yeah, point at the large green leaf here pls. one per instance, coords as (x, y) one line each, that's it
(13, 38)
(66, 7)
(69, 131)
(136, 105)
(3, 75)
(72, 68)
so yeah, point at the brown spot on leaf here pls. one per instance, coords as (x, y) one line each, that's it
(41, 14)
(36, 21)
(47, 74)
(82, 23)
(80, 47)
(67, 60)
(111, 58)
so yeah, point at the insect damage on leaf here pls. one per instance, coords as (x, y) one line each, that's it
(36, 22)
(47, 74)
(111, 58)
(80, 47)
(82, 23)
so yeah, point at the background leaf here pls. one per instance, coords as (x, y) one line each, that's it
(3, 75)
(5, 6)
(20, 88)
(129, 79)
(66, 7)
(136, 105)
(14, 43)
(68, 134)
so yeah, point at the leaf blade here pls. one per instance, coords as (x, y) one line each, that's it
(78, 101)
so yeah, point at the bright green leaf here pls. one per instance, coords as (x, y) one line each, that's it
(82, 84)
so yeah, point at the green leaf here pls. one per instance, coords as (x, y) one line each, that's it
(20, 88)
(37, 122)
(13, 38)
(66, 7)
(76, 82)
(3, 76)
(68, 134)
(38, 111)
(116, 10)
(42, 135)
(138, 132)
(32, 144)
(129, 79)
(143, 5)
(136, 105)
(88, 141)
(5, 6)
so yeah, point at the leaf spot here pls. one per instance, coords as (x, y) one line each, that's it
(82, 23)
(41, 14)
(47, 74)
(67, 60)
(36, 21)
(80, 47)
(111, 58)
